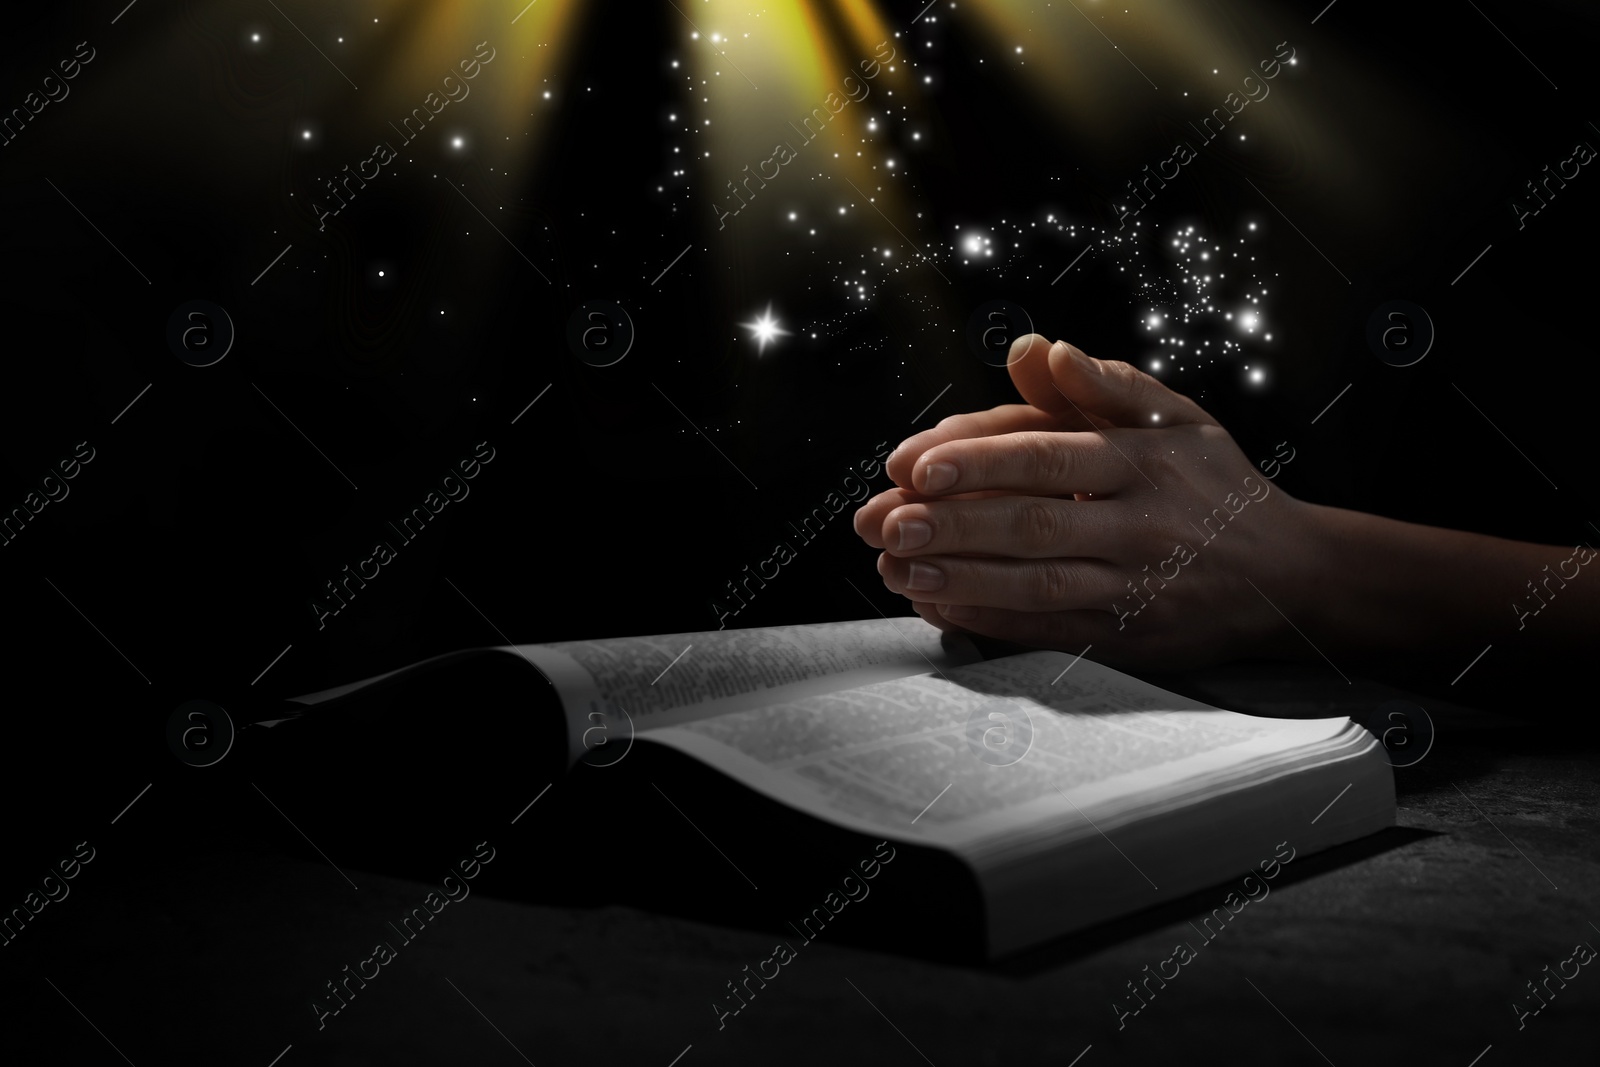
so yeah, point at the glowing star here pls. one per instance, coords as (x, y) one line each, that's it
(765, 329)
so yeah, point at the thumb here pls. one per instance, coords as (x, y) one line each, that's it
(1117, 391)
(1030, 366)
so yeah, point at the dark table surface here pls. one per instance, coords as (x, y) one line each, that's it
(1409, 946)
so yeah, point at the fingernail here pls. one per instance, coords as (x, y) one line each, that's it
(937, 477)
(958, 612)
(914, 533)
(925, 576)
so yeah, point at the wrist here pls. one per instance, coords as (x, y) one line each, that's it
(1329, 588)
(1296, 571)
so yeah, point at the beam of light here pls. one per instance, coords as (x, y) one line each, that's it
(790, 109)
(429, 41)
(430, 73)
(1089, 84)
(415, 95)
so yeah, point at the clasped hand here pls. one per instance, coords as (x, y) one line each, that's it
(1107, 511)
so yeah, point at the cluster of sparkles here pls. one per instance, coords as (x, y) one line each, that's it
(1199, 300)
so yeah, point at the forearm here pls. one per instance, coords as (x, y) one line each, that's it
(1377, 589)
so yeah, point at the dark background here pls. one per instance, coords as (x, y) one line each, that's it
(206, 524)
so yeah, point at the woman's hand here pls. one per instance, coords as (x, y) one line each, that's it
(1108, 511)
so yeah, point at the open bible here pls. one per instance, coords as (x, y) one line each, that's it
(1074, 793)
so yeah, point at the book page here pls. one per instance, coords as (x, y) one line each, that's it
(988, 749)
(616, 687)
(400, 674)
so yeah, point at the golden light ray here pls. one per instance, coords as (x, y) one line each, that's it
(788, 91)
(866, 26)
(529, 54)
(1098, 73)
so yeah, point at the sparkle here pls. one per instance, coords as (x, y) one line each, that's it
(765, 328)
